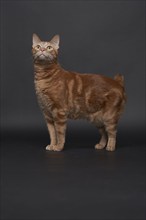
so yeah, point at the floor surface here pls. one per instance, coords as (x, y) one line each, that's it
(78, 183)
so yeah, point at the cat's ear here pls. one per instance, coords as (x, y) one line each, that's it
(35, 39)
(55, 41)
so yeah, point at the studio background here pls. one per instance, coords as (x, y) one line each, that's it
(96, 37)
(106, 37)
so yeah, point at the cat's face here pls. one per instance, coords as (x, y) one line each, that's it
(45, 51)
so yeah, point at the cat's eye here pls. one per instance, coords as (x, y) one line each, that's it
(49, 47)
(38, 46)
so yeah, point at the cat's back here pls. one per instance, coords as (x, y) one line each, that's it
(97, 81)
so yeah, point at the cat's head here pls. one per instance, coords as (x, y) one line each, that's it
(45, 51)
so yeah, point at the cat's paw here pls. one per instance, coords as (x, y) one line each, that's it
(57, 148)
(110, 148)
(49, 147)
(99, 146)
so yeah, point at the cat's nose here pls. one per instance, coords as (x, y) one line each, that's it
(42, 49)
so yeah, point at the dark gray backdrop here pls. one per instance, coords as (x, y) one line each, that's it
(96, 36)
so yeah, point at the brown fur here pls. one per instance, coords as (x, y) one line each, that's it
(64, 94)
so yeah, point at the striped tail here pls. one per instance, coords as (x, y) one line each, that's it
(120, 79)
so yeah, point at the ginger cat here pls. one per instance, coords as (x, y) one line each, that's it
(64, 94)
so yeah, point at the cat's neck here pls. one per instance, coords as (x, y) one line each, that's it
(44, 70)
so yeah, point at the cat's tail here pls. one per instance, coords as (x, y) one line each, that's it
(120, 79)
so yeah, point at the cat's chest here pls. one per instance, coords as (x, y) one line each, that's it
(44, 99)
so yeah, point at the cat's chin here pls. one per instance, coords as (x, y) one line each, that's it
(41, 60)
(42, 57)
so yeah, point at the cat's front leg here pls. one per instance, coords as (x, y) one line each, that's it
(60, 127)
(52, 132)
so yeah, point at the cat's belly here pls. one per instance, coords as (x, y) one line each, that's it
(72, 114)
(79, 113)
(79, 108)
(83, 105)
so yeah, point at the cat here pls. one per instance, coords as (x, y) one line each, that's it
(64, 94)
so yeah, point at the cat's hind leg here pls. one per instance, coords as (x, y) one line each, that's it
(103, 140)
(111, 131)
